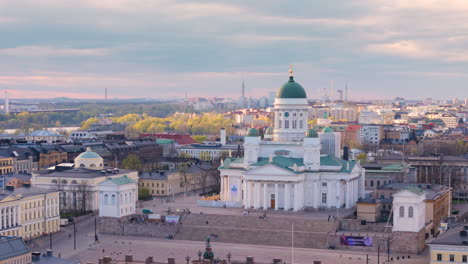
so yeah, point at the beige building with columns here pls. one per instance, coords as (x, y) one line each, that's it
(29, 212)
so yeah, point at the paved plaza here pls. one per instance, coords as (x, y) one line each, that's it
(141, 247)
(180, 202)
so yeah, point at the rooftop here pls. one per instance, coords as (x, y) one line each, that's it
(84, 173)
(432, 190)
(11, 247)
(24, 191)
(453, 237)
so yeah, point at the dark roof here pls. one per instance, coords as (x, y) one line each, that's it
(432, 190)
(452, 237)
(11, 247)
(83, 173)
(25, 191)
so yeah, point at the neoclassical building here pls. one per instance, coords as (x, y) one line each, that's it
(286, 171)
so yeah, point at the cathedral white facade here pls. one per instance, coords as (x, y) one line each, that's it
(286, 171)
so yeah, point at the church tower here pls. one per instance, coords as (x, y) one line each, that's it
(290, 111)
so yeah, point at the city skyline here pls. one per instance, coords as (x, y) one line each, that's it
(208, 48)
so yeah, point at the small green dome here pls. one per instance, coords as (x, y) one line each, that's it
(253, 132)
(312, 133)
(89, 155)
(291, 89)
(269, 131)
(327, 130)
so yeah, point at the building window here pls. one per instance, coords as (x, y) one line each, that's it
(464, 259)
(451, 257)
(286, 123)
(301, 124)
(294, 124)
(410, 211)
(113, 199)
(279, 123)
(371, 183)
(402, 211)
(324, 184)
(324, 198)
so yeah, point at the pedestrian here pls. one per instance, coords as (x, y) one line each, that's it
(329, 218)
(103, 250)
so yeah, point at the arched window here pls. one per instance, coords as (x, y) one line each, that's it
(126, 199)
(106, 199)
(82, 165)
(410, 211)
(402, 211)
(113, 199)
(74, 182)
(54, 181)
(92, 165)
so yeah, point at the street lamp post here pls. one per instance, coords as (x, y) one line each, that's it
(187, 258)
(199, 255)
(228, 256)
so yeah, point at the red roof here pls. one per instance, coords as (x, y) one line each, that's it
(353, 128)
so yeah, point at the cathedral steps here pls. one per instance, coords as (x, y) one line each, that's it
(275, 231)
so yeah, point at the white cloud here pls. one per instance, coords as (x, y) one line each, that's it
(49, 51)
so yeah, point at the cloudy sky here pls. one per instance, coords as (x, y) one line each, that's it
(164, 48)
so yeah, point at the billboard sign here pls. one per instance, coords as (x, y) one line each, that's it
(356, 241)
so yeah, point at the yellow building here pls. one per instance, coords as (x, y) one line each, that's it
(163, 183)
(450, 247)
(29, 212)
(6, 164)
(368, 209)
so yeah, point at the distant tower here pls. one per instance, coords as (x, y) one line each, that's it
(243, 95)
(346, 92)
(340, 95)
(7, 103)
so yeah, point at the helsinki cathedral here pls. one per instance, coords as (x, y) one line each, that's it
(286, 170)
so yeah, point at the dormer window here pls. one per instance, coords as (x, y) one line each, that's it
(282, 153)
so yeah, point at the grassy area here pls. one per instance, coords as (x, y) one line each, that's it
(456, 201)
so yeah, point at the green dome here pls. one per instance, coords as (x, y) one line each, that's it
(89, 155)
(253, 132)
(327, 130)
(291, 89)
(269, 131)
(312, 133)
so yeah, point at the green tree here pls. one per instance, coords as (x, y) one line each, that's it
(144, 194)
(132, 162)
(362, 157)
(200, 138)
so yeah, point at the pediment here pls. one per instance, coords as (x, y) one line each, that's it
(9, 198)
(407, 193)
(269, 169)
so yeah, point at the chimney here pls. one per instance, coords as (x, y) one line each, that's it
(171, 260)
(129, 258)
(50, 253)
(222, 136)
(36, 256)
(106, 260)
(346, 153)
(250, 260)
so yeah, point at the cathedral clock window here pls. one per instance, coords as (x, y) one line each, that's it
(286, 114)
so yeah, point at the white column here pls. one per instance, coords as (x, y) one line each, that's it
(348, 194)
(228, 188)
(276, 197)
(246, 194)
(10, 218)
(258, 195)
(1, 218)
(315, 195)
(338, 195)
(287, 196)
(222, 189)
(14, 215)
(301, 195)
(265, 196)
(296, 200)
